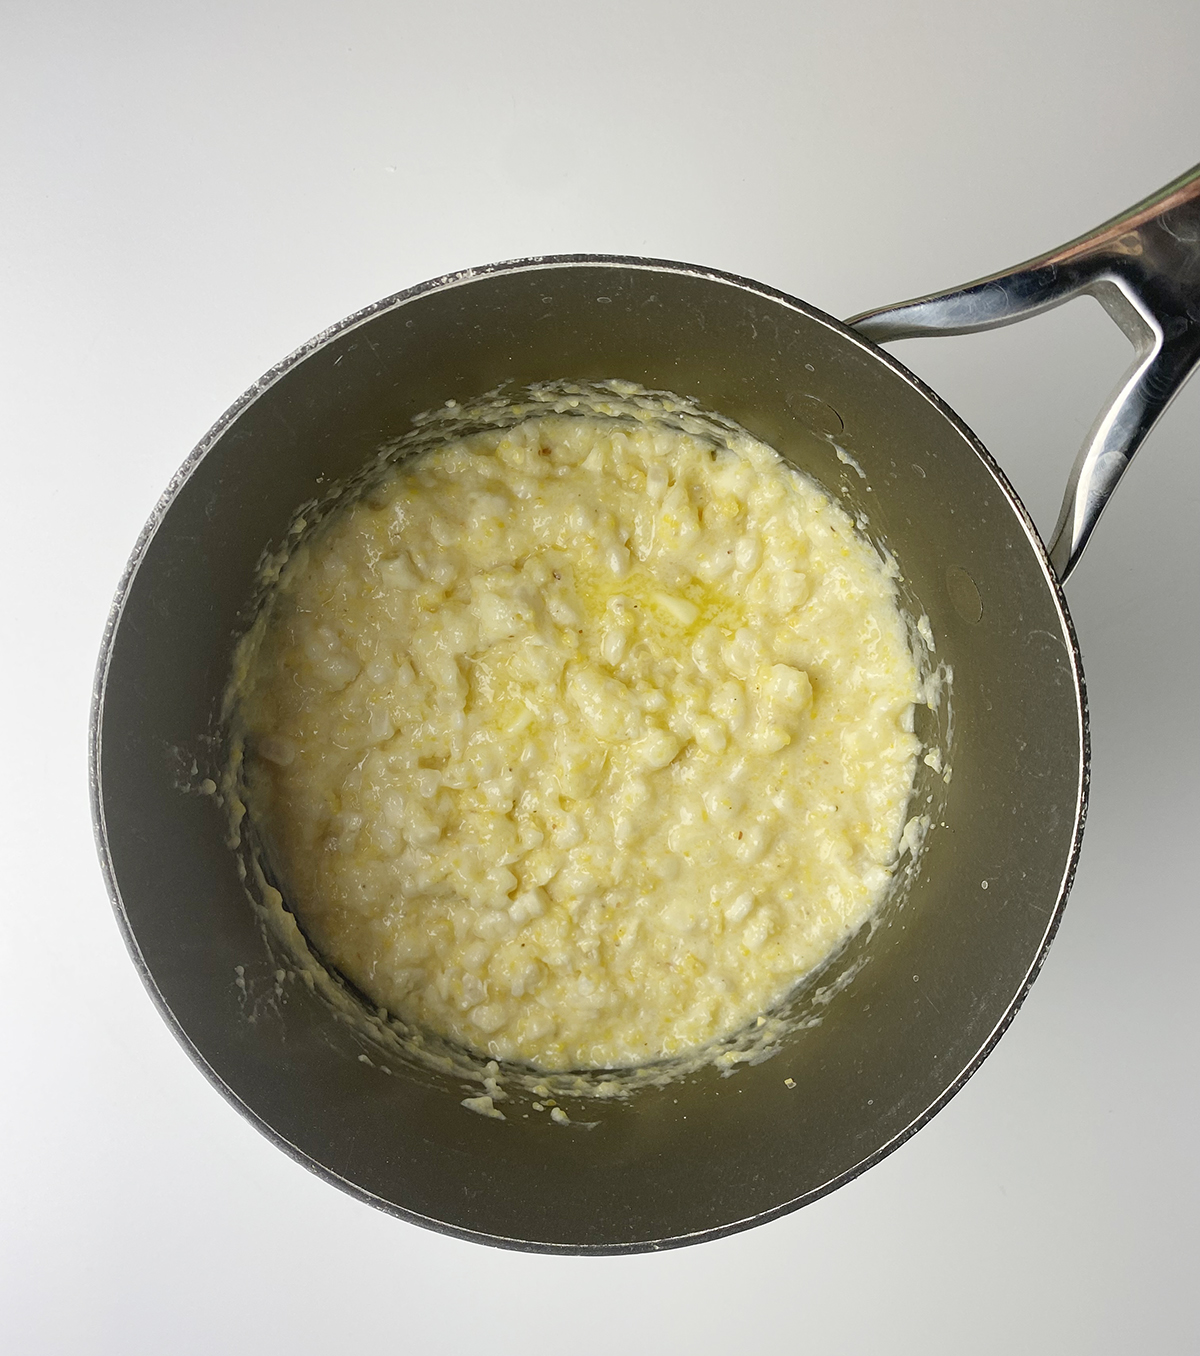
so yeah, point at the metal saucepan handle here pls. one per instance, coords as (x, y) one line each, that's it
(1144, 268)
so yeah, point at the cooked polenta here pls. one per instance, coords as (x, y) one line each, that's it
(581, 741)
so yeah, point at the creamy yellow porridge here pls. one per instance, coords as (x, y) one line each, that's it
(581, 741)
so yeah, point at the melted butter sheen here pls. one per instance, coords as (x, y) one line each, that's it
(581, 742)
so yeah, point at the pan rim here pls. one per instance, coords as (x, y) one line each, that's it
(179, 480)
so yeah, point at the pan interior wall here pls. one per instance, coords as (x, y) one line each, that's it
(932, 982)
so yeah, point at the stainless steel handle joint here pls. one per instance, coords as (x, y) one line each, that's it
(1144, 268)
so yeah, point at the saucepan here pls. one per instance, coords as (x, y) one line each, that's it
(913, 1004)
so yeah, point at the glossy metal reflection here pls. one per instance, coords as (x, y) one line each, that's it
(1144, 268)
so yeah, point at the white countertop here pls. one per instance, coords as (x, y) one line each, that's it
(188, 193)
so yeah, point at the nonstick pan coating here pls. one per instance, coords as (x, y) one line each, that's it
(935, 983)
